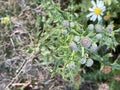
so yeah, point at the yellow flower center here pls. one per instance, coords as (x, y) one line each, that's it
(97, 11)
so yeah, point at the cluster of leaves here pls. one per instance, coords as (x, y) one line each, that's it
(68, 44)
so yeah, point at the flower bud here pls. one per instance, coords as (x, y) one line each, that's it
(98, 28)
(86, 42)
(76, 38)
(89, 62)
(5, 20)
(109, 29)
(107, 16)
(94, 47)
(109, 41)
(98, 36)
(90, 27)
(73, 46)
(83, 61)
(104, 86)
(64, 32)
(72, 24)
(65, 23)
(77, 78)
(71, 65)
(106, 69)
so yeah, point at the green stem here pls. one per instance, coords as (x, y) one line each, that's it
(83, 51)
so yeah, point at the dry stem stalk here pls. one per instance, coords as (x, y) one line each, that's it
(19, 72)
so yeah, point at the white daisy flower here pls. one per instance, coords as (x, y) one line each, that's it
(97, 10)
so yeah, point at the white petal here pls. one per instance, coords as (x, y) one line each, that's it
(90, 14)
(97, 2)
(95, 17)
(91, 9)
(101, 13)
(94, 8)
(91, 19)
(103, 9)
(100, 4)
(99, 17)
(93, 3)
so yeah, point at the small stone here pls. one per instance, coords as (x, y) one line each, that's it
(2, 86)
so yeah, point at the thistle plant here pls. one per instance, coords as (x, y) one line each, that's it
(76, 39)
(71, 46)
